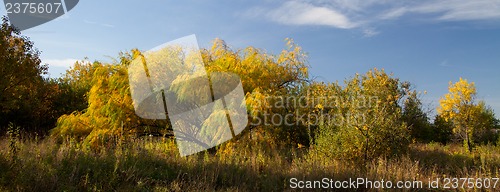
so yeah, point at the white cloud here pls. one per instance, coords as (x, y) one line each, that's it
(348, 14)
(445, 64)
(462, 9)
(370, 32)
(96, 23)
(107, 25)
(351, 5)
(300, 13)
(65, 63)
(449, 10)
(394, 13)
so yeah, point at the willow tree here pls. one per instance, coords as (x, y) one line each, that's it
(111, 112)
(268, 79)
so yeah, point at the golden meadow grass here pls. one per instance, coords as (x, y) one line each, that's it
(151, 164)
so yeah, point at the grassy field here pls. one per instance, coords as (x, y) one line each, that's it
(152, 164)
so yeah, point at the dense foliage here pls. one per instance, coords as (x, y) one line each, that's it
(371, 115)
(370, 124)
(25, 96)
(471, 120)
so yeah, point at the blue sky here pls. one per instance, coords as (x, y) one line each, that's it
(427, 42)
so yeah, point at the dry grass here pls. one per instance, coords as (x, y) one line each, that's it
(154, 165)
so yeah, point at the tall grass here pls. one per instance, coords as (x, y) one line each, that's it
(246, 165)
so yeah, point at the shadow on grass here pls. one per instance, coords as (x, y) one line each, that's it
(156, 166)
(58, 169)
(453, 162)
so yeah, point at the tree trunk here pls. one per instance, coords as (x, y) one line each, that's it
(467, 140)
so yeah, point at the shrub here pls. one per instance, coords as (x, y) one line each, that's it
(364, 129)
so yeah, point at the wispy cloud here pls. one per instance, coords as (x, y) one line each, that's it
(445, 63)
(449, 10)
(301, 13)
(457, 10)
(100, 24)
(351, 5)
(66, 63)
(349, 14)
(394, 13)
(370, 32)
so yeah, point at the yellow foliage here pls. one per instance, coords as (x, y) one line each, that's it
(256, 68)
(458, 103)
(466, 116)
(110, 109)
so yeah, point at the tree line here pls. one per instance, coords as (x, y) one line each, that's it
(91, 102)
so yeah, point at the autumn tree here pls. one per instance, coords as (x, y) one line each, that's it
(110, 111)
(468, 117)
(485, 125)
(23, 95)
(110, 108)
(268, 79)
(366, 123)
(414, 115)
(442, 130)
(74, 85)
